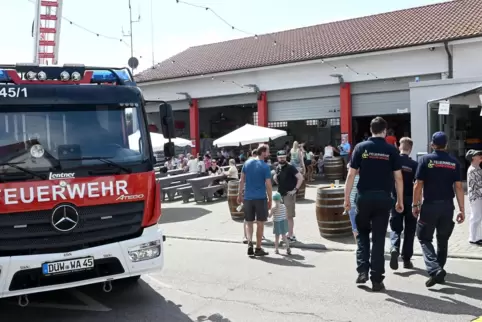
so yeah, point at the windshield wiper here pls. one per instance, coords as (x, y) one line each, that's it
(105, 160)
(16, 166)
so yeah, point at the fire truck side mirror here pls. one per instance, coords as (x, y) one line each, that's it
(167, 126)
(167, 120)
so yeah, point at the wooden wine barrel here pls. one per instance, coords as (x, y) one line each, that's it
(233, 191)
(300, 195)
(334, 168)
(329, 212)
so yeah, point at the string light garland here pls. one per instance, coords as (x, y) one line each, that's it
(256, 36)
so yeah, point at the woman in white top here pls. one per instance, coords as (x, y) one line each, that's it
(232, 173)
(296, 157)
(201, 166)
(328, 152)
(474, 189)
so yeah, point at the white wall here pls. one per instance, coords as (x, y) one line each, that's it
(385, 65)
(467, 59)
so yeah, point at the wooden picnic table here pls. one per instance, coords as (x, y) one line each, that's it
(202, 182)
(174, 172)
(167, 181)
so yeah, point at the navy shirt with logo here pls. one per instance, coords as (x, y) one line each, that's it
(376, 161)
(438, 171)
(409, 168)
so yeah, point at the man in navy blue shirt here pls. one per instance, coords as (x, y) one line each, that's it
(397, 220)
(255, 191)
(436, 175)
(377, 163)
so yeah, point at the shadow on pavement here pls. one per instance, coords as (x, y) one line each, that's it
(289, 260)
(305, 201)
(455, 284)
(172, 215)
(127, 302)
(212, 318)
(443, 305)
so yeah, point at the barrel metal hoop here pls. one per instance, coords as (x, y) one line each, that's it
(334, 222)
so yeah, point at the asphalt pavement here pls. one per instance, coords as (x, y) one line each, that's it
(217, 282)
(212, 221)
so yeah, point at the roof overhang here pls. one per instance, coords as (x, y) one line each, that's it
(467, 96)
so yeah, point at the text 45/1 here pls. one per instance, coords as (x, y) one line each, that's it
(13, 92)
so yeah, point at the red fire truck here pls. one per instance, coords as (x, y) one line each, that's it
(79, 202)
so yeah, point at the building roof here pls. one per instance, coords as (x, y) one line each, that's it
(435, 23)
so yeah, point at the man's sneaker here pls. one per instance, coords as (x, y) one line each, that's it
(362, 278)
(408, 264)
(377, 287)
(288, 251)
(437, 278)
(394, 259)
(245, 240)
(250, 249)
(260, 252)
(292, 239)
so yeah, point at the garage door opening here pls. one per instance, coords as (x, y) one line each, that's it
(399, 123)
(463, 127)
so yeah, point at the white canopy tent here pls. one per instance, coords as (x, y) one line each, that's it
(157, 140)
(249, 134)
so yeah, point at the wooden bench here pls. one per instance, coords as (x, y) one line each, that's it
(185, 192)
(171, 191)
(208, 192)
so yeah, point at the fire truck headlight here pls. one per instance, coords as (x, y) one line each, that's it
(145, 251)
(76, 76)
(31, 75)
(37, 151)
(41, 76)
(64, 76)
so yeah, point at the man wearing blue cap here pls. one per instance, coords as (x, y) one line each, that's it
(436, 175)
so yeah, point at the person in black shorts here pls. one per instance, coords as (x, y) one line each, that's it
(255, 192)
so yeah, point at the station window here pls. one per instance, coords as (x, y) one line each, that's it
(311, 122)
(334, 122)
(278, 125)
(255, 118)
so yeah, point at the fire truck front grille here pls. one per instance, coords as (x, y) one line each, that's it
(30, 233)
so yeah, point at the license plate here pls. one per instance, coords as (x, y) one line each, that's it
(67, 266)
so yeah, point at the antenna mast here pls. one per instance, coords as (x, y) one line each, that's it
(46, 31)
(130, 34)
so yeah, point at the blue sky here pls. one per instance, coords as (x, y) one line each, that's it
(176, 26)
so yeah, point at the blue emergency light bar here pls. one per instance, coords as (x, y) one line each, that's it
(108, 76)
(3, 76)
(98, 76)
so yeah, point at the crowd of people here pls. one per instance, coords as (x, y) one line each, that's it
(384, 187)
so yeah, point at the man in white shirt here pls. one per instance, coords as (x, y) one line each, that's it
(192, 164)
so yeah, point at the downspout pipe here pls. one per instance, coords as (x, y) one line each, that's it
(450, 60)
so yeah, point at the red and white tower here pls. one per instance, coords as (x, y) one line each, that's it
(46, 32)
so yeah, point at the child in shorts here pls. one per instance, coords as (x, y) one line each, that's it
(280, 223)
(353, 210)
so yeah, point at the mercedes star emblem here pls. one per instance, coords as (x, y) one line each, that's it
(65, 218)
(63, 184)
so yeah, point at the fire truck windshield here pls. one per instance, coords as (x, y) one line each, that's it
(41, 137)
